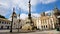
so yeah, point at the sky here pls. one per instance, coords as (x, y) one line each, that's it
(21, 6)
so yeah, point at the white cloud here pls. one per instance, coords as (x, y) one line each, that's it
(47, 1)
(36, 15)
(23, 16)
(23, 4)
(49, 11)
(3, 11)
(4, 7)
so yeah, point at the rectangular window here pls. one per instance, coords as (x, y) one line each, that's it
(4, 22)
(15, 16)
(46, 26)
(42, 27)
(0, 21)
(7, 22)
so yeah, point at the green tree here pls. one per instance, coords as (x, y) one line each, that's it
(2, 16)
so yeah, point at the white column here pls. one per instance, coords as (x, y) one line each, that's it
(53, 23)
(39, 24)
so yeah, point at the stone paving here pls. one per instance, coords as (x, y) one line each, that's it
(36, 32)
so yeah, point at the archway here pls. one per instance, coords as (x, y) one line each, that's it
(1, 27)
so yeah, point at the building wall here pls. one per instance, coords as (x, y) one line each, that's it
(15, 23)
(45, 22)
(4, 23)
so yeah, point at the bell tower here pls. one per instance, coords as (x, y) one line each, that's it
(14, 14)
(56, 11)
(43, 14)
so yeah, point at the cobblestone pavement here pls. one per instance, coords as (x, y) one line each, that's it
(36, 32)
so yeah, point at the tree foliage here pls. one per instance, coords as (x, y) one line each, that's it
(2, 16)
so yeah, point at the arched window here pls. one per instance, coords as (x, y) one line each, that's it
(42, 27)
(15, 16)
(1, 27)
(5, 22)
(46, 26)
(2, 22)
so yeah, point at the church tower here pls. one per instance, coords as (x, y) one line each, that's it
(14, 14)
(14, 17)
(43, 14)
(56, 11)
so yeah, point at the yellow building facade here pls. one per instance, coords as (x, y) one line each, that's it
(4, 23)
(45, 22)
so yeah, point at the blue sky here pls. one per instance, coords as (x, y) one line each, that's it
(46, 7)
(37, 7)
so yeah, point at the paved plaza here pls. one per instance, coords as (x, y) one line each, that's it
(36, 32)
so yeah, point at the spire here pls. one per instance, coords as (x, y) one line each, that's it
(56, 11)
(55, 7)
(19, 12)
(14, 11)
(14, 14)
(29, 1)
(43, 14)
